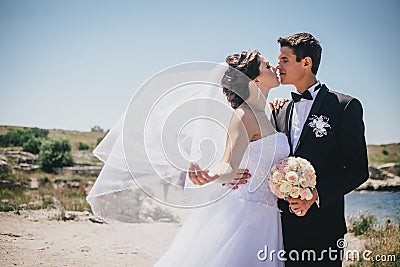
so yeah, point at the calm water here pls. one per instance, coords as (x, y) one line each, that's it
(385, 205)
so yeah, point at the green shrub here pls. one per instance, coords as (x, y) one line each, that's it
(40, 133)
(363, 224)
(5, 174)
(17, 137)
(55, 153)
(83, 146)
(32, 145)
(6, 207)
(43, 181)
(14, 137)
(97, 129)
(99, 140)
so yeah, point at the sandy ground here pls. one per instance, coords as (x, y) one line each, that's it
(32, 239)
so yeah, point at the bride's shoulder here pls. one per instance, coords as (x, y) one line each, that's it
(244, 117)
(245, 114)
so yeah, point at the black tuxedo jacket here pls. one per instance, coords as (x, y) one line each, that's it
(340, 161)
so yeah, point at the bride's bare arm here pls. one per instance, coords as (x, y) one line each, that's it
(241, 129)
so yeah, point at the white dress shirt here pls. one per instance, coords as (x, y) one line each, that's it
(300, 114)
(301, 110)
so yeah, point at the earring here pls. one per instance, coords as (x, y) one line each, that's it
(258, 93)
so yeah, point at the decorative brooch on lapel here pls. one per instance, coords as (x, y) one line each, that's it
(319, 125)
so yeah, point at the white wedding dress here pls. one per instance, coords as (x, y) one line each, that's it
(232, 231)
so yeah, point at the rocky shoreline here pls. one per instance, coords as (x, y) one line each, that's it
(383, 178)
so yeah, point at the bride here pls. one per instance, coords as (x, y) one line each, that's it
(244, 227)
(228, 227)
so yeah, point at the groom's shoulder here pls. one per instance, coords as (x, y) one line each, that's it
(341, 98)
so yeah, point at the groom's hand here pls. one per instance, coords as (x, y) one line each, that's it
(241, 178)
(300, 207)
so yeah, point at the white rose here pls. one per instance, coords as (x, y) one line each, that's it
(277, 177)
(285, 187)
(303, 182)
(292, 178)
(295, 193)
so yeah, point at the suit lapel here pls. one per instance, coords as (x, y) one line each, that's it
(314, 110)
(288, 123)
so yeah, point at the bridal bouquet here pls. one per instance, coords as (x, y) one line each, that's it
(294, 177)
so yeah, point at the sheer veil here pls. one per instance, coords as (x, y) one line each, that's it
(178, 116)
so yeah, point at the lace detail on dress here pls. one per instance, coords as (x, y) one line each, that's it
(260, 156)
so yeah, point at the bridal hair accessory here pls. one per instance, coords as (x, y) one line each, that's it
(320, 125)
(292, 177)
(248, 55)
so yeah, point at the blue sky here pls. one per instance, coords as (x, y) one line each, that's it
(76, 64)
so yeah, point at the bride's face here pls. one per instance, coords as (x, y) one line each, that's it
(267, 78)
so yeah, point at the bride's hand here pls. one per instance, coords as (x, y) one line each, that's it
(199, 176)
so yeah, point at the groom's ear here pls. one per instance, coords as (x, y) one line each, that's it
(307, 62)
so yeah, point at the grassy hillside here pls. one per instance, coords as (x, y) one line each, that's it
(22, 189)
(381, 154)
(89, 138)
(18, 189)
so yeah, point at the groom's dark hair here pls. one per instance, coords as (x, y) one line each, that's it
(304, 45)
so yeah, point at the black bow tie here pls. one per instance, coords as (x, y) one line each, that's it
(306, 95)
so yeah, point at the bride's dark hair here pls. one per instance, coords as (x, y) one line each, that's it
(235, 84)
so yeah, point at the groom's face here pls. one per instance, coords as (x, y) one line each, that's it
(290, 71)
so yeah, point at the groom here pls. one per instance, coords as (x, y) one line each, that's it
(326, 128)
